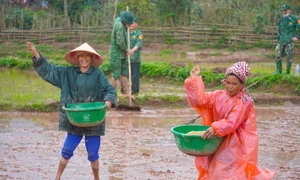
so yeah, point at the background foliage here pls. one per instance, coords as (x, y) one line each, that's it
(258, 80)
(34, 15)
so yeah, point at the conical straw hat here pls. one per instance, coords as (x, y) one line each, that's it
(71, 57)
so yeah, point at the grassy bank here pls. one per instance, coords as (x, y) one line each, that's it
(25, 91)
(161, 84)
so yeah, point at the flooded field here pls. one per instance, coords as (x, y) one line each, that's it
(137, 145)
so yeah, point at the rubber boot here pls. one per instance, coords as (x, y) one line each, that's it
(288, 68)
(278, 67)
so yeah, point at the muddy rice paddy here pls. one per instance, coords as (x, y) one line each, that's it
(137, 145)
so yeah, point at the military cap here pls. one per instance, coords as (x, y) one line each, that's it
(127, 17)
(285, 7)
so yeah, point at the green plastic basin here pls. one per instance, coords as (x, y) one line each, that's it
(86, 114)
(194, 145)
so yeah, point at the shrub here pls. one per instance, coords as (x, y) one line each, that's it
(62, 38)
(19, 18)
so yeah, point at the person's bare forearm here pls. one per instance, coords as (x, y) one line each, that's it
(130, 53)
(32, 49)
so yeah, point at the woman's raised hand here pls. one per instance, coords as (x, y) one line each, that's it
(32, 49)
(195, 71)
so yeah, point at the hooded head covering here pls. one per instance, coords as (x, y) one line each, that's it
(71, 57)
(240, 69)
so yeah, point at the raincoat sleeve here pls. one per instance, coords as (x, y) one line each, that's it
(47, 71)
(240, 112)
(139, 41)
(279, 30)
(109, 91)
(198, 99)
(298, 28)
(121, 38)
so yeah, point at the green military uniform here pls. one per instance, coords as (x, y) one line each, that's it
(77, 87)
(118, 49)
(136, 39)
(288, 27)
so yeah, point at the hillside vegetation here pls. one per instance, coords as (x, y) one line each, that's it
(151, 13)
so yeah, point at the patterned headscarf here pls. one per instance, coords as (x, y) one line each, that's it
(240, 69)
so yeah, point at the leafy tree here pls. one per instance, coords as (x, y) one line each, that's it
(256, 14)
(144, 10)
(19, 18)
(77, 7)
(174, 12)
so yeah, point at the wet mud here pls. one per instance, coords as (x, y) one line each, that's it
(137, 145)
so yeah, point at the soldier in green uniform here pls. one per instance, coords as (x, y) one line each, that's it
(289, 26)
(119, 50)
(136, 41)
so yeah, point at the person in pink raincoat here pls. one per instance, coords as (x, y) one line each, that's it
(231, 115)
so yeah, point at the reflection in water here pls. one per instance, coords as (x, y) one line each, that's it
(137, 145)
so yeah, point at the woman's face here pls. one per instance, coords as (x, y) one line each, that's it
(233, 85)
(84, 59)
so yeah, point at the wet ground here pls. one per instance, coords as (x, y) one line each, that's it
(137, 145)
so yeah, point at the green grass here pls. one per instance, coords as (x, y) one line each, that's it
(23, 88)
(163, 73)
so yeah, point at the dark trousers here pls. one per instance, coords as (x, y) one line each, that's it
(135, 77)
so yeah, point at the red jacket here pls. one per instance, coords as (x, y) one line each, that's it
(233, 117)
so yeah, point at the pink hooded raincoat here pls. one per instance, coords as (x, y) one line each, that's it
(234, 118)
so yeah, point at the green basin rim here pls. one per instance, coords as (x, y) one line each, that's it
(84, 109)
(91, 106)
(184, 134)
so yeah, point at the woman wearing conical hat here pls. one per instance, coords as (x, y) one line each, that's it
(83, 82)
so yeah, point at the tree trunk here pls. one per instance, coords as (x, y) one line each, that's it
(67, 20)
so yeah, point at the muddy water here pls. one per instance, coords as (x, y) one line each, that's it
(137, 145)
